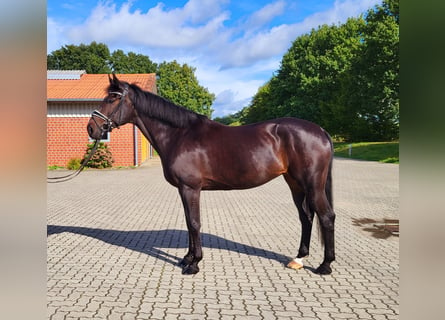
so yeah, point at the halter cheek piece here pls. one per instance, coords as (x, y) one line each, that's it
(110, 124)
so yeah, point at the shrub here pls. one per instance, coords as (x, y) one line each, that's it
(73, 164)
(102, 158)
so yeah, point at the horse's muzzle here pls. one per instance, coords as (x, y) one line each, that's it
(93, 131)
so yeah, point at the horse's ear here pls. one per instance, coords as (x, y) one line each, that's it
(109, 79)
(115, 79)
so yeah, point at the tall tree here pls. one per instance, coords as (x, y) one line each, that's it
(179, 84)
(374, 81)
(345, 77)
(266, 104)
(93, 58)
(310, 76)
(131, 63)
(232, 119)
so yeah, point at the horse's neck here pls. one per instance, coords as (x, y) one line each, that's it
(159, 134)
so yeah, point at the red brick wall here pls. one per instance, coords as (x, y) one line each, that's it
(67, 138)
(121, 145)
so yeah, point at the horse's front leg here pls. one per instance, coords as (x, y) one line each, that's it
(188, 258)
(190, 200)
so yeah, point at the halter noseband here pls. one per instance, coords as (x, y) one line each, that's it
(110, 123)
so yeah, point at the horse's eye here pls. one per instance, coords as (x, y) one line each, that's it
(113, 97)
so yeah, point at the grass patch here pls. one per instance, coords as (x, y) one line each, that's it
(387, 152)
(55, 167)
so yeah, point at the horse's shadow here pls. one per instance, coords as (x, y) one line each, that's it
(150, 242)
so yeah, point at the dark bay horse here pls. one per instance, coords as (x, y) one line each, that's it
(200, 154)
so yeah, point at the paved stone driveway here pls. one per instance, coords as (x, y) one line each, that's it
(115, 238)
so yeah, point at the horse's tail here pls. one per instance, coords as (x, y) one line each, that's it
(328, 187)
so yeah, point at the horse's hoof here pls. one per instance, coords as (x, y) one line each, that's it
(295, 264)
(185, 262)
(323, 270)
(190, 269)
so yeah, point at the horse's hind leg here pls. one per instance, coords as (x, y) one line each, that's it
(319, 202)
(305, 213)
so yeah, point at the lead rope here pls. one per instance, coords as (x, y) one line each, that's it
(74, 174)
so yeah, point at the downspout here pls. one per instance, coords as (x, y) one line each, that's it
(136, 149)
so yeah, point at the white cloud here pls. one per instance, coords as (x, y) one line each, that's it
(340, 12)
(270, 42)
(263, 45)
(234, 88)
(265, 14)
(227, 103)
(199, 11)
(198, 29)
(227, 96)
(177, 28)
(55, 35)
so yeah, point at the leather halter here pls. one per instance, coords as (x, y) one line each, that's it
(110, 124)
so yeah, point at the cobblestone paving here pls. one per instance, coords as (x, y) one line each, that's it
(115, 238)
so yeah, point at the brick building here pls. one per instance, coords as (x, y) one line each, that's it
(71, 98)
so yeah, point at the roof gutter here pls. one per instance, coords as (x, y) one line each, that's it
(74, 100)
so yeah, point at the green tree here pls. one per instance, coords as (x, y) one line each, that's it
(232, 119)
(93, 58)
(179, 84)
(343, 77)
(310, 76)
(374, 82)
(265, 104)
(131, 63)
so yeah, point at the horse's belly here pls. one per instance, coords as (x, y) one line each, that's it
(241, 177)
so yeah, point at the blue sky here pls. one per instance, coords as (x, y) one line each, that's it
(235, 46)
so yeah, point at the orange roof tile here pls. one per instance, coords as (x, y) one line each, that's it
(93, 86)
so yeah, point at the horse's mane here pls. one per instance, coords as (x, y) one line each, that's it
(154, 106)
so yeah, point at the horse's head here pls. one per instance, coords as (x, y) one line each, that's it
(115, 110)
